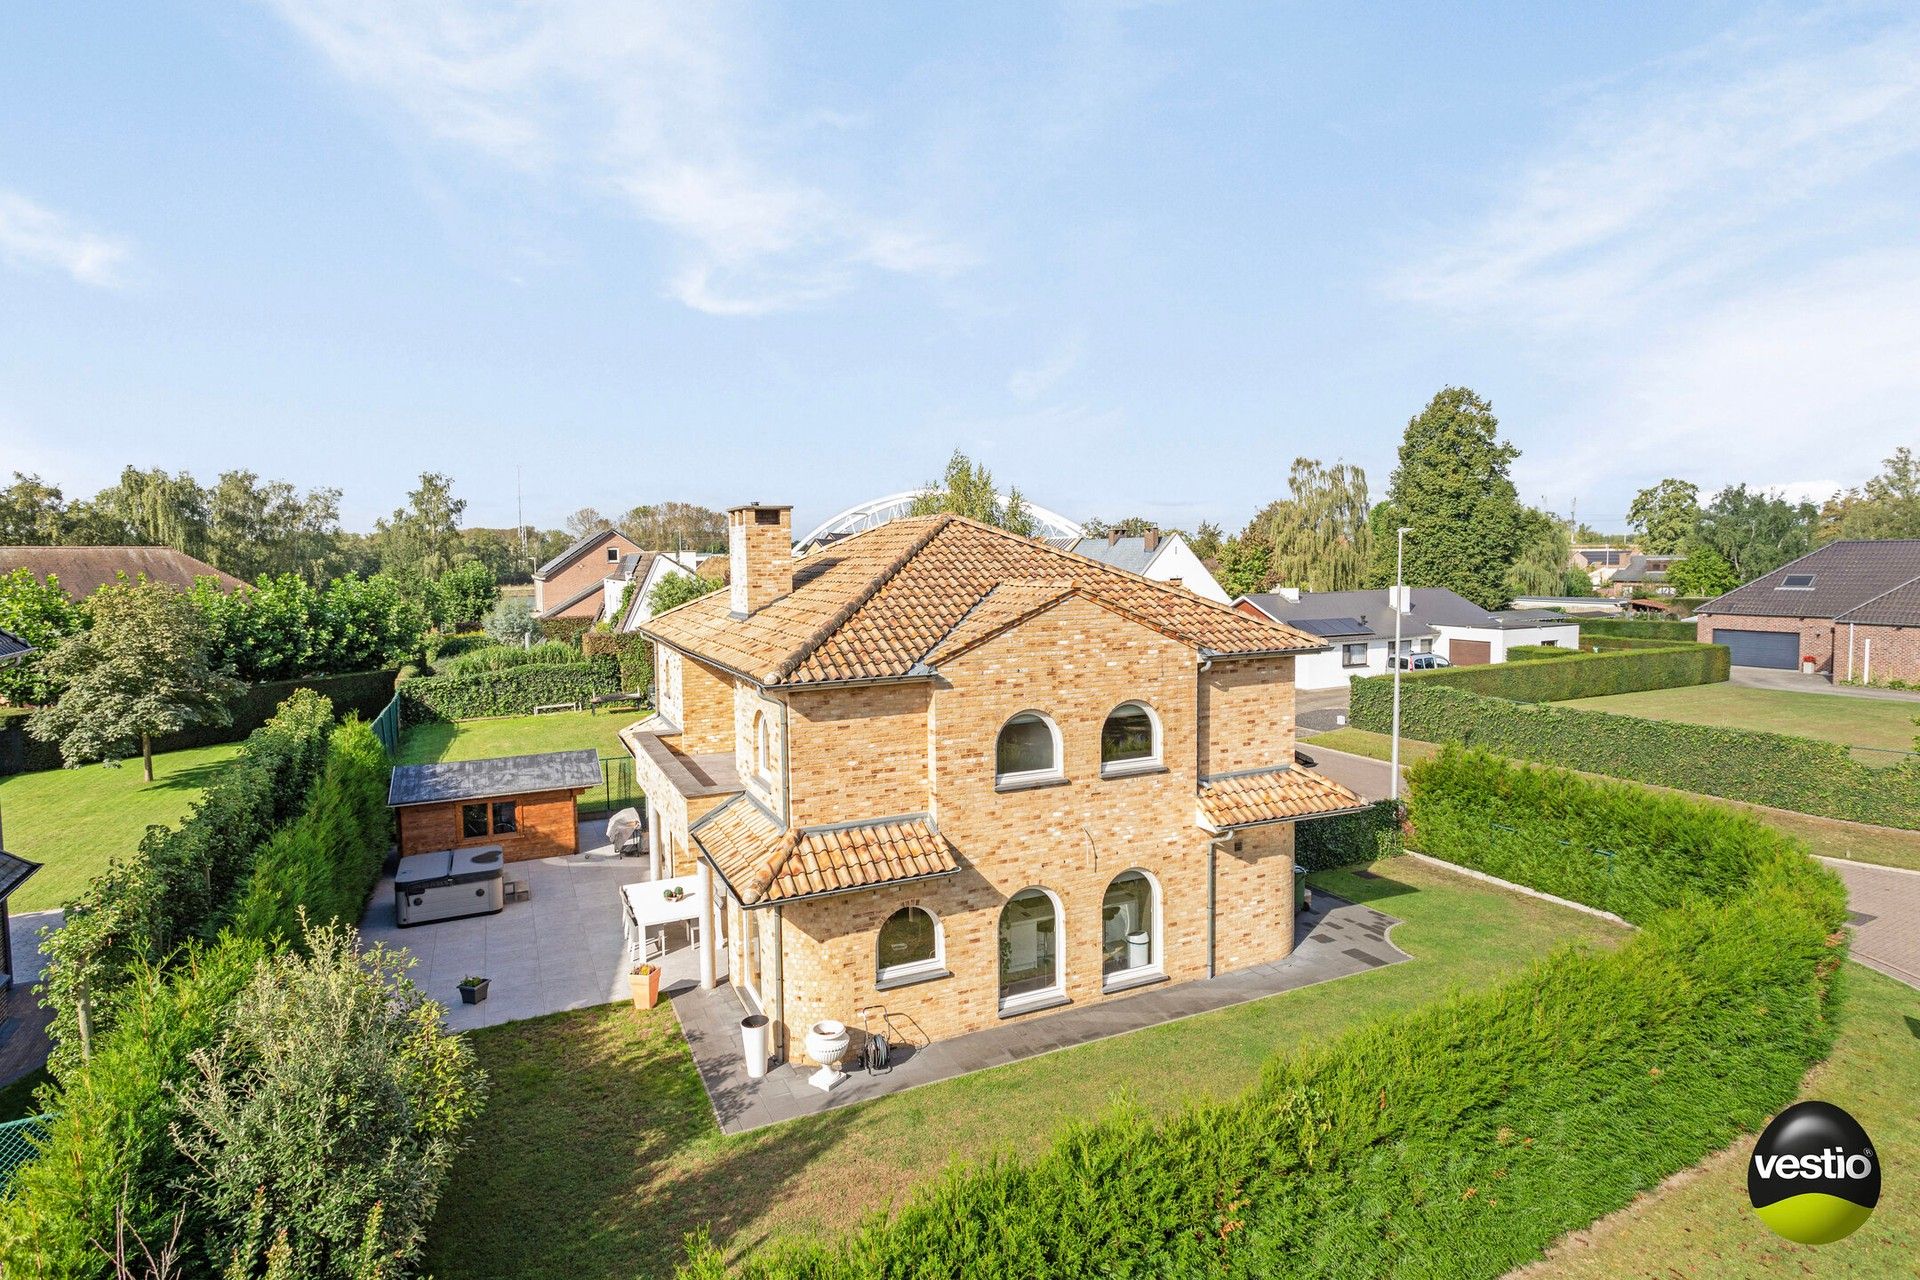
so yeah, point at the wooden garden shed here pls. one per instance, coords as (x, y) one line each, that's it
(524, 804)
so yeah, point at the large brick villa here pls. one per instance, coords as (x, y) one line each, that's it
(943, 768)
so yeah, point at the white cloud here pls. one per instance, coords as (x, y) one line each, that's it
(1036, 380)
(1714, 261)
(653, 102)
(34, 237)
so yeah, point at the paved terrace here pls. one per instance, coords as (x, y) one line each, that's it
(1338, 938)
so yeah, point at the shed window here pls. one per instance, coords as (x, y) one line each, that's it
(473, 821)
(506, 817)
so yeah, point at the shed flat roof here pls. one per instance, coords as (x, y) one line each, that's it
(501, 776)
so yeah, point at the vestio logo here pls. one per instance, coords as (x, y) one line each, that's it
(1814, 1177)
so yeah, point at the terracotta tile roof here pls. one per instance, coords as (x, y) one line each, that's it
(82, 570)
(763, 863)
(1271, 795)
(999, 609)
(877, 604)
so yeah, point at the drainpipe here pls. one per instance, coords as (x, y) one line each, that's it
(708, 925)
(777, 979)
(1849, 652)
(1213, 847)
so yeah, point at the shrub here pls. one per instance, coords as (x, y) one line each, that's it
(1537, 652)
(326, 860)
(566, 630)
(108, 1144)
(1582, 675)
(180, 881)
(1355, 837)
(333, 1093)
(1777, 769)
(1638, 628)
(1455, 1140)
(513, 692)
(499, 657)
(631, 649)
(511, 621)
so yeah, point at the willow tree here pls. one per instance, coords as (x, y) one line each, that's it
(1317, 538)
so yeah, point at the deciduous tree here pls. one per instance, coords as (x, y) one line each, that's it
(967, 490)
(1666, 516)
(1887, 506)
(1755, 532)
(142, 668)
(1453, 491)
(677, 589)
(1704, 573)
(41, 614)
(1317, 538)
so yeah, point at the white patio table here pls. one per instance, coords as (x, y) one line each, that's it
(646, 904)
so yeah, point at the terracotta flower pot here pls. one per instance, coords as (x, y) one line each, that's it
(645, 984)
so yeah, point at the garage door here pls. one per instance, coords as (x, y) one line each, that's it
(1470, 653)
(1761, 648)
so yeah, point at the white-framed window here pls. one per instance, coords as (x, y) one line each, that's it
(1426, 645)
(1353, 655)
(613, 555)
(1032, 963)
(911, 945)
(1027, 750)
(1130, 739)
(1130, 930)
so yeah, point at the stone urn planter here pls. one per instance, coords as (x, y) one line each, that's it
(644, 982)
(827, 1043)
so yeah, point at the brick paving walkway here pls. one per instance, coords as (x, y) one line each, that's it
(23, 1019)
(1885, 912)
(1339, 938)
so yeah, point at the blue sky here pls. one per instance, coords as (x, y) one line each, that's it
(1134, 258)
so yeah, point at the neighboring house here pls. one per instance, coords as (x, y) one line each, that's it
(1642, 572)
(572, 584)
(658, 567)
(83, 570)
(1600, 563)
(1592, 606)
(1852, 609)
(1164, 557)
(1359, 626)
(943, 768)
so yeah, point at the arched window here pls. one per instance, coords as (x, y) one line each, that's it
(762, 746)
(1031, 968)
(1028, 750)
(1130, 928)
(1130, 739)
(911, 946)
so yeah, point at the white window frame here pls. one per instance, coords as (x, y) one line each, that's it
(1145, 764)
(1048, 996)
(1156, 966)
(900, 975)
(613, 554)
(1029, 777)
(1348, 648)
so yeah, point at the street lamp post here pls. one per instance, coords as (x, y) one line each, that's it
(1399, 603)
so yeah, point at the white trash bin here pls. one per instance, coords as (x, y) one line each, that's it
(753, 1044)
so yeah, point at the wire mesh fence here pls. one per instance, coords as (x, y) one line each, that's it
(19, 1143)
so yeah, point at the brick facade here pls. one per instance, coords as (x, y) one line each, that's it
(1880, 653)
(853, 753)
(588, 569)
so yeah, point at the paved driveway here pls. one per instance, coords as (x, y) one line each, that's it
(1795, 682)
(1885, 906)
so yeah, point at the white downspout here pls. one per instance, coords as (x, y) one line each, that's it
(709, 930)
(1849, 653)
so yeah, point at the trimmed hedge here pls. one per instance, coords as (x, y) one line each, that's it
(633, 651)
(360, 693)
(1575, 675)
(567, 629)
(515, 691)
(1807, 775)
(1326, 843)
(1456, 1140)
(327, 859)
(179, 884)
(1537, 652)
(1638, 628)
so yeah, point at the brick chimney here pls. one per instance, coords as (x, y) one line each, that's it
(1113, 537)
(1152, 539)
(760, 555)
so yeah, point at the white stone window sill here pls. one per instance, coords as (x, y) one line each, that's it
(1028, 781)
(1033, 1002)
(894, 981)
(1128, 979)
(1132, 769)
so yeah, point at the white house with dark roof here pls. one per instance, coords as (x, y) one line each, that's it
(1163, 557)
(1359, 627)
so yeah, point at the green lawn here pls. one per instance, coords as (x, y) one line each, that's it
(1699, 1225)
(1831, 838)
(598, 1151)
(517, 735)
(76, 820)
(1881, 729)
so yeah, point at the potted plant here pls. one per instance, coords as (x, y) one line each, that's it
(473, 990)
(644, 983)
(673, 893)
